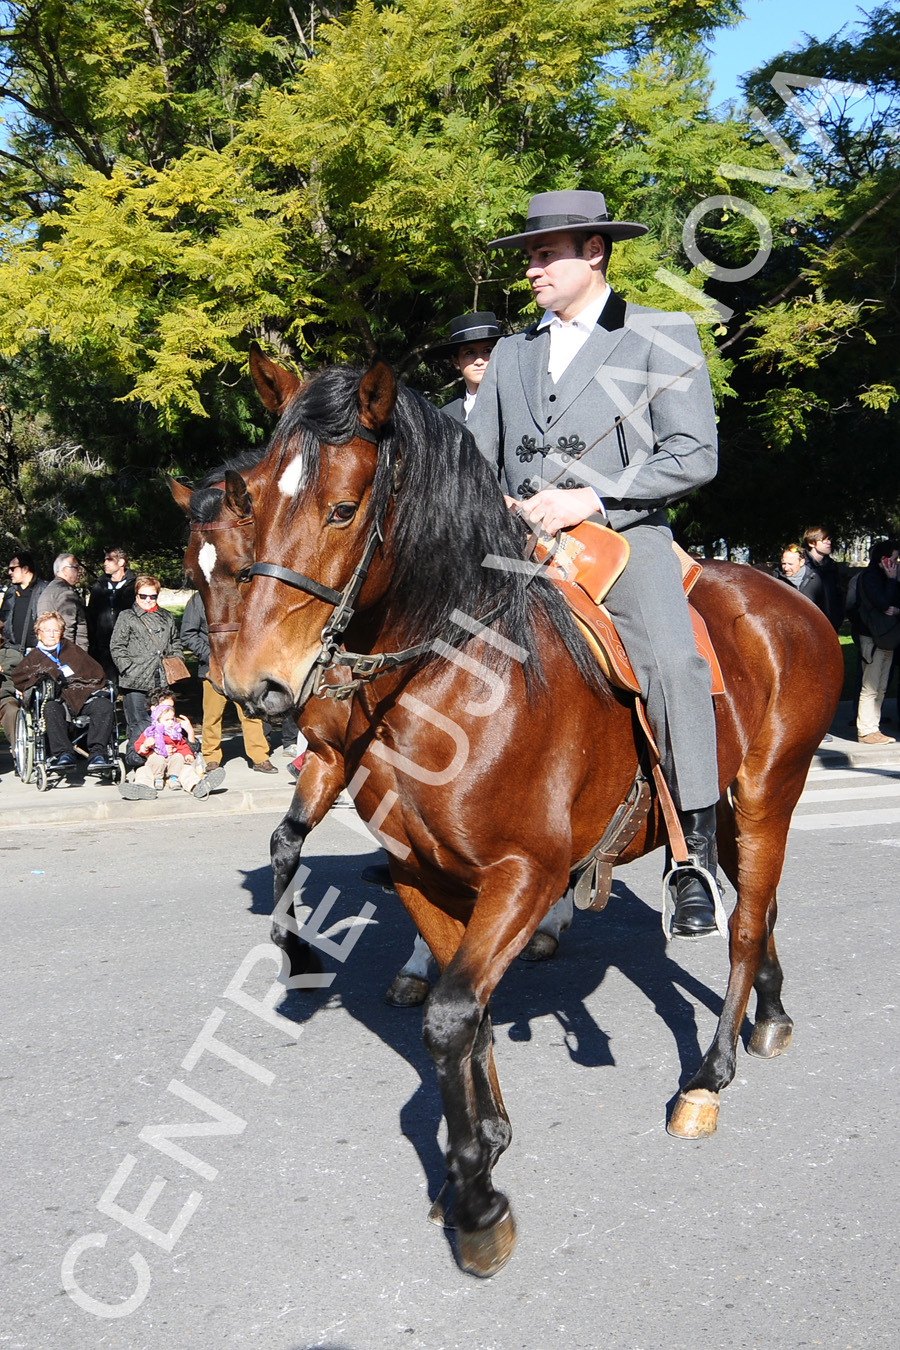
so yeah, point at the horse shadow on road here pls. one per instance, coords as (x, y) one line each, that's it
(626, 937)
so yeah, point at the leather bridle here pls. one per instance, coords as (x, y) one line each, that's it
(363, 666)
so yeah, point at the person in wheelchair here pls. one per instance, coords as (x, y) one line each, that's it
(79, 689)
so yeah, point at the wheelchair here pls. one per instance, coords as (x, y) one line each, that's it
(30, 746)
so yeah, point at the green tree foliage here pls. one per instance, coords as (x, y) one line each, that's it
(813, 434)
(179, 179)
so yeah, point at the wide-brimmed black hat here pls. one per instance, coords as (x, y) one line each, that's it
(569, 211)
(480, 326)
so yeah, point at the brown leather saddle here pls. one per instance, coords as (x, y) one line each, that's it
(583, 564)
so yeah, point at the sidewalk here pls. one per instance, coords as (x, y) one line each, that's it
(843, 752)
(244, 791)
(91, 801)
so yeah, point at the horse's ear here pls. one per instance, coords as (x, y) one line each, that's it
(181, 494)
(237, 498)
(377, 396)
(275, 385)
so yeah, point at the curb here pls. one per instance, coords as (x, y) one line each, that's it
(230, 802)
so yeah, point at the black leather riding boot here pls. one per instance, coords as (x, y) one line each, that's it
(695, 912)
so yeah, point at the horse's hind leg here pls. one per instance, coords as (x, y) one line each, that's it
(773, 1028)
(762, 820)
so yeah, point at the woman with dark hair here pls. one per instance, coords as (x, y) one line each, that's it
(878, 604)
(143, 635)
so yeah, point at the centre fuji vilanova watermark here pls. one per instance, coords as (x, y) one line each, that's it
(306, 924)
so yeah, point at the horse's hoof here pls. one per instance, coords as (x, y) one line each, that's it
(487, 1250)
(770, 1039)
(695, 1114)
(540, 947)
(438, 1212)
(407, 991)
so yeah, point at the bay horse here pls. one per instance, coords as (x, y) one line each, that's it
(484, 741)
(219, 552)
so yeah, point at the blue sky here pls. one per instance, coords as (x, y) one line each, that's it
(773, 26)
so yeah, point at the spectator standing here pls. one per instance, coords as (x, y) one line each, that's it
(20, 603)
(798, 573)
(142, 636)
(195, 637)
(9, 704)
(109, 597)
(62, 598)
(818, 557)
(878, 610)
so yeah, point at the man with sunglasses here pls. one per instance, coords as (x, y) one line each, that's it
(109, 597)
(602, 410)
(20, 603)
(63, 598)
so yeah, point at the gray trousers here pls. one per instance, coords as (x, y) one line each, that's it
(651, 614)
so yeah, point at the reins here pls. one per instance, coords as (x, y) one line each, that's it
(363, 666)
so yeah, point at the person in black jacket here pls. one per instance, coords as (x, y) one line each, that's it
(21, 602)
(818, 557)
(470, 340)
(796, 571)
(109, 597)
(879, 591)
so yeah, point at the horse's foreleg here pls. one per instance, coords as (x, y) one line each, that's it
(321, 779)
(457, 1032)
(754, 963)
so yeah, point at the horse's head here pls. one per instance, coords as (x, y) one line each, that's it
(220, 548)
(317, 505)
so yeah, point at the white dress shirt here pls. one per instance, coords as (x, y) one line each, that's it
(567, 337)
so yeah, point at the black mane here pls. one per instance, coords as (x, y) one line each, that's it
(206, 498)
(449, 515)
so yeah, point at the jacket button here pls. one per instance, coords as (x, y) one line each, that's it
(552, 398)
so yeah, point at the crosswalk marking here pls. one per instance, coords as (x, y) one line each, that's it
(837, 820)
(847, 794)
(857, 786)
(817, 776)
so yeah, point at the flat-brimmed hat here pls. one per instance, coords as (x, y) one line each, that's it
(569, 211)
(480, 326)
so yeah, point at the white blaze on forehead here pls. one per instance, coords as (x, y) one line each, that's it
(207, 560)
(289, 481)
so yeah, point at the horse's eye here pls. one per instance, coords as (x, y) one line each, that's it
(342, 513)
(243, 576)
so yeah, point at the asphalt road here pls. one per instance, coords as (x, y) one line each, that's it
(296, 1216)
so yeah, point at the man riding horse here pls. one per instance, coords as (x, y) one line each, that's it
(602, 410)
